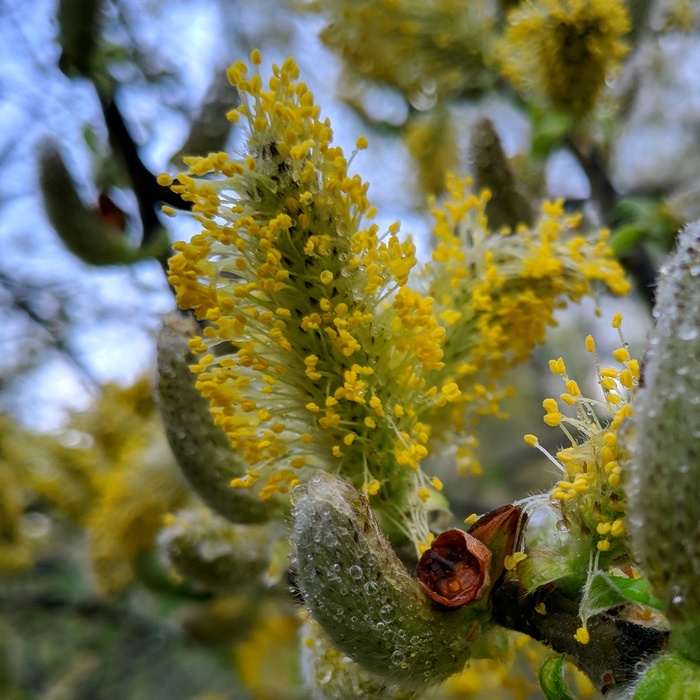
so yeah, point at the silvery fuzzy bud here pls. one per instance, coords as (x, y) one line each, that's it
(200, 447)
(331, 675)
(364, 598)
(222, 557)
(664, 473)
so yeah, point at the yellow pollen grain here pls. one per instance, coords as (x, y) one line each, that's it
(553, 419)
(550, 405)
(618, 528)
(512, 560)
(582, 635)
(557, 366)
(471, 519)
(621, 354)
(371, 488)
(531, 440)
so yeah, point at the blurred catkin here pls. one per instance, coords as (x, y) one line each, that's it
(83, 231)
(507, 206)
(200, 447)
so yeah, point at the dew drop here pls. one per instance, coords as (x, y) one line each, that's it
(387, 613)
(687, 332)
(355, 572)
(397, 658)
(371, 588)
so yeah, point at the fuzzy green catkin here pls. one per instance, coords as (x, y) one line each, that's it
(363, 597)
(81, 229)
(200, 447)
(207, 550)
(663, 488)
(331, 675)
(507, 206)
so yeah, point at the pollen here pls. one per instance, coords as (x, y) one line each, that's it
(582, 635)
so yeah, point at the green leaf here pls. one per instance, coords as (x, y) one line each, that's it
(607, 591)
(625, 238)
(671, 678)
(552, 679)
(549, 129)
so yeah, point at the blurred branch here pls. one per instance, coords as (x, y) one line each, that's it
(149, 194)
(21, 302)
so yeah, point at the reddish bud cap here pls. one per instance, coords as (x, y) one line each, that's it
(455, 570)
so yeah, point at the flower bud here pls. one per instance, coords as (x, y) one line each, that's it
(83, 231)
(664, 485)
(331, 675)
(200, 447)
(507, 206)
(455, 570)
(364, 598)
(207, 550)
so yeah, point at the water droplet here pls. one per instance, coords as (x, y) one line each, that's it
(387, 613)
(355, 572)
(687, 332)
(397, 657)
(371, 588)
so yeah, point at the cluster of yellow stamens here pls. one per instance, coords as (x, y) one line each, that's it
(590, 492)
(565, 49)
(315, 352)
(496, 293)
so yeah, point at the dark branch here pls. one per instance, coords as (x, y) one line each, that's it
(616, 645)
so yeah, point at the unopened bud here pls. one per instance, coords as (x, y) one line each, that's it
(331, 675)
(508, 206)
(209, 551)
(83, 231)
(664, 486)
(364, 598)
(200, 447)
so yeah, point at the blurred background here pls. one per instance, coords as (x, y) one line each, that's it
(97, 97)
